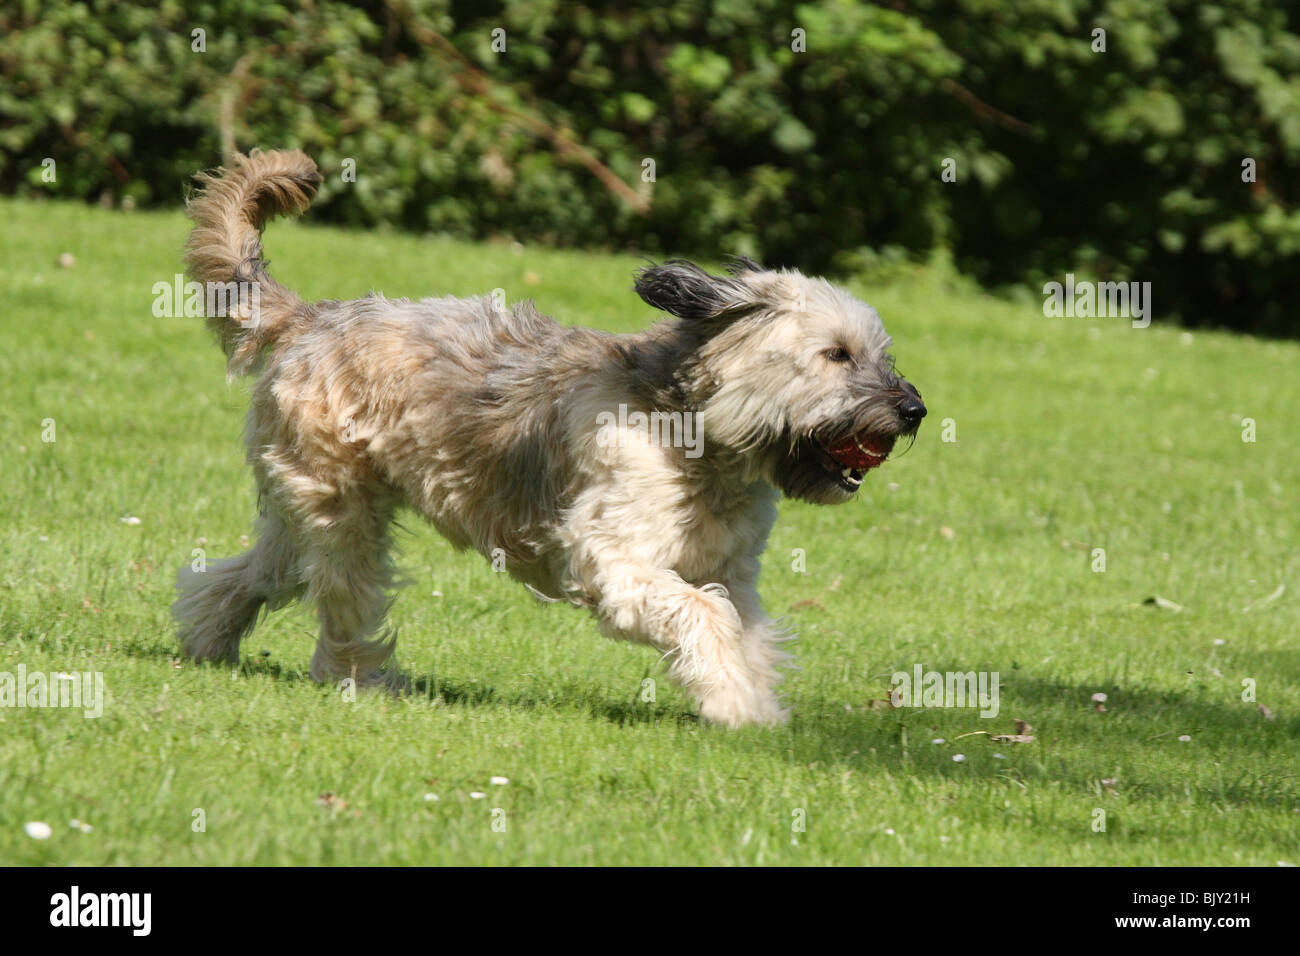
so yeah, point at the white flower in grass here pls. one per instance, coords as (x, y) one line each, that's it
(476, 795)
(430, 798)
(1185, 739)
(1219, 642)
(37, 830)
(938, 740)
(129, 519)
(999, 756)
(958, 758)
(1099, 698)
(500, 781)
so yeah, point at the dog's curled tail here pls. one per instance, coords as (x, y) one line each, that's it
(246, 308)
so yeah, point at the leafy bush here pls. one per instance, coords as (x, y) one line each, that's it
(1124, 164)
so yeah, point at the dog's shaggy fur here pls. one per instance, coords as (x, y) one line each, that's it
(486, 421)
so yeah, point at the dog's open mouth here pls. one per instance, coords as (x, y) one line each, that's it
(849, 459)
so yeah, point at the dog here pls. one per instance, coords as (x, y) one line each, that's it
(523, 439)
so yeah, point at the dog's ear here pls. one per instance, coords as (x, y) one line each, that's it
(685, 290)
(739, 265)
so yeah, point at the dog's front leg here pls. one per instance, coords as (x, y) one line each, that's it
(702, 637)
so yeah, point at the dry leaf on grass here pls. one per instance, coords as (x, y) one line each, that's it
(1021, 736)
(808, 603)
(331, 800)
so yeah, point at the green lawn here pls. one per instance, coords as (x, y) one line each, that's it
(970, 555)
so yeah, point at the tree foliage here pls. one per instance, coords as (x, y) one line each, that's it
(803, 133)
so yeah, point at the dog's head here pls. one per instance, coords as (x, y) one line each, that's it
(789, 369)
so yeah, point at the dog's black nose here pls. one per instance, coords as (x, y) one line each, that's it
(911, 410)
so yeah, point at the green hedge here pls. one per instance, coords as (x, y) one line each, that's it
(1125, 164)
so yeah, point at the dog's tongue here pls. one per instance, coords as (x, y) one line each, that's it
(859, 453)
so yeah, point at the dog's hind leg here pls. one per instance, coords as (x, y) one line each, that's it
(350, 573)
(219, 601)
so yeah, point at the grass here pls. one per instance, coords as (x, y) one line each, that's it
(966, 555)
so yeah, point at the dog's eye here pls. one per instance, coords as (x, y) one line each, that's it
(838, 354)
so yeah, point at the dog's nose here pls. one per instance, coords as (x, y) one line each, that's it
(911, 410)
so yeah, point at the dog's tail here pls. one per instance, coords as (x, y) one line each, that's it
(224, 252)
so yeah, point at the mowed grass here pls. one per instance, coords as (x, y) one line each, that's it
(967, 555)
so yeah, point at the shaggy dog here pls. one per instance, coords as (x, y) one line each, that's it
(529, 442)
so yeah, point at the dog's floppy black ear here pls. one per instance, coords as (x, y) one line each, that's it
(738, 265)
(685, 290)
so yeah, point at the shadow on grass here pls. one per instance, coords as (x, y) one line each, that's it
(564, 697)
(1064, 719)
(454, 693)
(873, 739)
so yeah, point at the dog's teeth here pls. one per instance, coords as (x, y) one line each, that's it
(847, 473)
(868, 451)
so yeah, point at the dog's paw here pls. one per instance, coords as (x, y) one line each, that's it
(736, 706)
